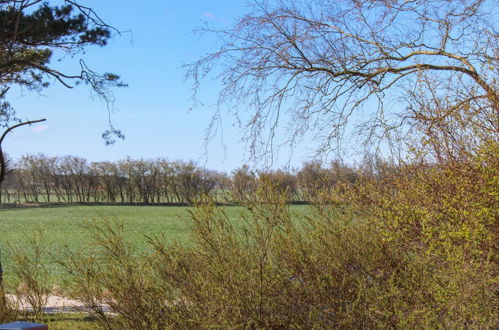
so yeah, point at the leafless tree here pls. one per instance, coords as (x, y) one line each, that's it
(244, 183)
(355, 67)
(312, 179)
(281, 181)
(193, 182)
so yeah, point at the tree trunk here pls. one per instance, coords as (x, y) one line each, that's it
(2, 177)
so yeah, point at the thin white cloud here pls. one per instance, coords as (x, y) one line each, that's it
(214, 18)
(40, 128)
(209, 15)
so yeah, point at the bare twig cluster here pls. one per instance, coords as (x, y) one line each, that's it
(369, 69)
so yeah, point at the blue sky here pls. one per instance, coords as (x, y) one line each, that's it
(153, 112)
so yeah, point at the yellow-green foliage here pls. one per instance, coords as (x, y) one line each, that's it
(380, 262)
(7, 314)
(450, 209)
(413, 247)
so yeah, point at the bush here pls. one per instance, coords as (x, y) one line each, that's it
(413, 246)
(31, 283)
(7, 314)
(396, 251)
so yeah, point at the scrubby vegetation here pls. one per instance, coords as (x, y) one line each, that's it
(407, 239)
(407, 247)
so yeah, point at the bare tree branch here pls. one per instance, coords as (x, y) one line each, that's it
(7, 131)
(331, 68)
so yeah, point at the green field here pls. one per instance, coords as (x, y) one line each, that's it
(62, 225)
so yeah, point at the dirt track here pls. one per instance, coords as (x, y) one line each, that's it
(55, 304)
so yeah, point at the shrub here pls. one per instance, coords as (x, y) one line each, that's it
(30, 271)
(369, 255)
(7, 313)
(413, 246)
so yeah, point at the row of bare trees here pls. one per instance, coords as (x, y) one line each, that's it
(70, 179)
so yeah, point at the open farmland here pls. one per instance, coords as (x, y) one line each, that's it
(61, 226)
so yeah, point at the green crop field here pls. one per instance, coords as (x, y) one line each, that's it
(61, 226)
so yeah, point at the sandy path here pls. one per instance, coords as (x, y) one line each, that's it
(55, 304)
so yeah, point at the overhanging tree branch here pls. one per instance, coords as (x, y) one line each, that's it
(320, 64)
(7, 131)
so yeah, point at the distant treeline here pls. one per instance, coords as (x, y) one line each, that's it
(69, 179)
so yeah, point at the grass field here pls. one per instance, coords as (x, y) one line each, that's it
(62, 225)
